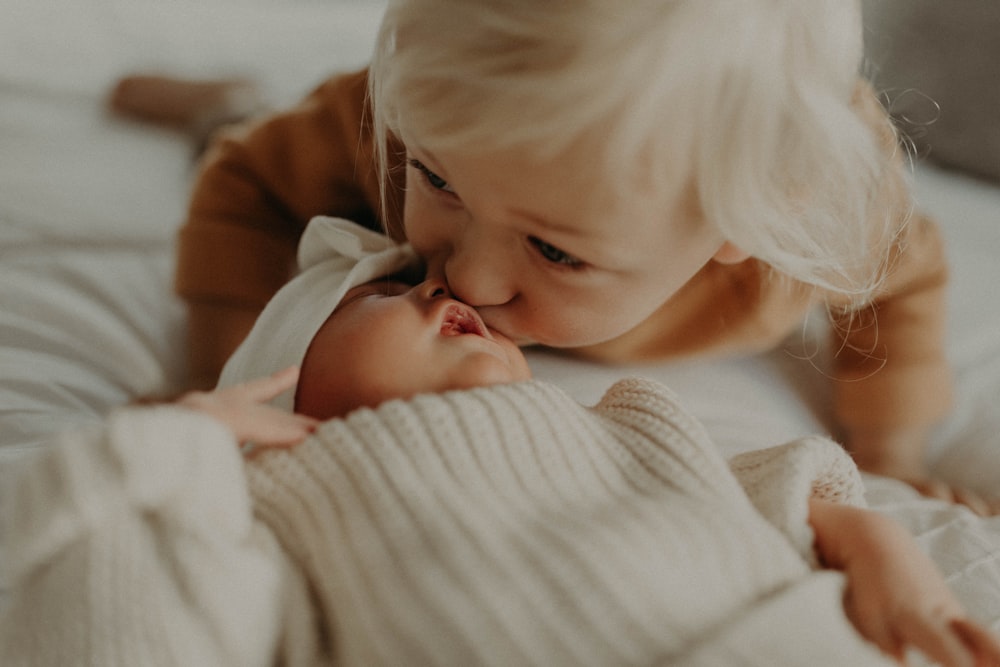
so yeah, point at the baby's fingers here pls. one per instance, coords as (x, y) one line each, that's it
(952, 643)
(276, 430)
(981, 643)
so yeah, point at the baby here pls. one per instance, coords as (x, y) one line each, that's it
(503, 522)
(389, 339)
(355, 346)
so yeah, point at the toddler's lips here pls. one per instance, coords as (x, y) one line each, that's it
(460, 320)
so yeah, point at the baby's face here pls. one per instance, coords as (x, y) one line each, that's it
(547, 251)
(388, 339)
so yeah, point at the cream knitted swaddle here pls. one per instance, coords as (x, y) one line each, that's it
(510, 525)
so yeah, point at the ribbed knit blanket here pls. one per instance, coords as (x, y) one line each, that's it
(506, 525)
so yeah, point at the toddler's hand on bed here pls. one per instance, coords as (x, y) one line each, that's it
(899, 453)
(244, 409)
(981, 504)
(895, 596)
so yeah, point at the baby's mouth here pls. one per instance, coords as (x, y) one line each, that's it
(460, 320)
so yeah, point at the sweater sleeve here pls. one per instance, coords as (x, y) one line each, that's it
(134, 544)
(780, 481)
(256, 189)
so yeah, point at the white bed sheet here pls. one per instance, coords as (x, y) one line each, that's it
(89, 206)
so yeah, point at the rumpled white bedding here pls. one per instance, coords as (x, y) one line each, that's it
(89, 206)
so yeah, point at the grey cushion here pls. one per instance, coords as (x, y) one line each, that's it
(937, 63)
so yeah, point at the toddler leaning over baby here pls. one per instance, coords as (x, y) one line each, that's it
(441, 507)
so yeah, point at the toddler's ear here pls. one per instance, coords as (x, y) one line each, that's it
(730, 254)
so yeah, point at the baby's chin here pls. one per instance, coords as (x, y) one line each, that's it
(516, 360)
(503, 364)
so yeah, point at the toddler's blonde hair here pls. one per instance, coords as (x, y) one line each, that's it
(748, 101)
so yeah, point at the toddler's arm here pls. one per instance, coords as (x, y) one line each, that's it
(893, 381)
(895, 596)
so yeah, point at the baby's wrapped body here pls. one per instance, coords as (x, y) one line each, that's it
(510, 525)
(499, 525)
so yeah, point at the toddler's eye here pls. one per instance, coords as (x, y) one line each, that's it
(554, 254)
(433, 179)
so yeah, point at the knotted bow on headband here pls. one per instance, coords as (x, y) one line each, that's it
(334, 256)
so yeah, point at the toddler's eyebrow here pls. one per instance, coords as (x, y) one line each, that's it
(551, 225)
(425, 157)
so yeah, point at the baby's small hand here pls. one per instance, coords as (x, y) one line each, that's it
(979, 641)
(244, 409)
(895, 595)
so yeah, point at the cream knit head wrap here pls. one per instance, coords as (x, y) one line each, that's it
(334, 256)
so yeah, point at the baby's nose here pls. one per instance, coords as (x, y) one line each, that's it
(433, 288)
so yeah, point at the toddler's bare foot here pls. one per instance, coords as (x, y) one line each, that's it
(194, 106)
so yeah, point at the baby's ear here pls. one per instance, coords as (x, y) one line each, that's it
(730, 254)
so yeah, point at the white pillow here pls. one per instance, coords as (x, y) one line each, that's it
(69, 172)
(84, 45)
